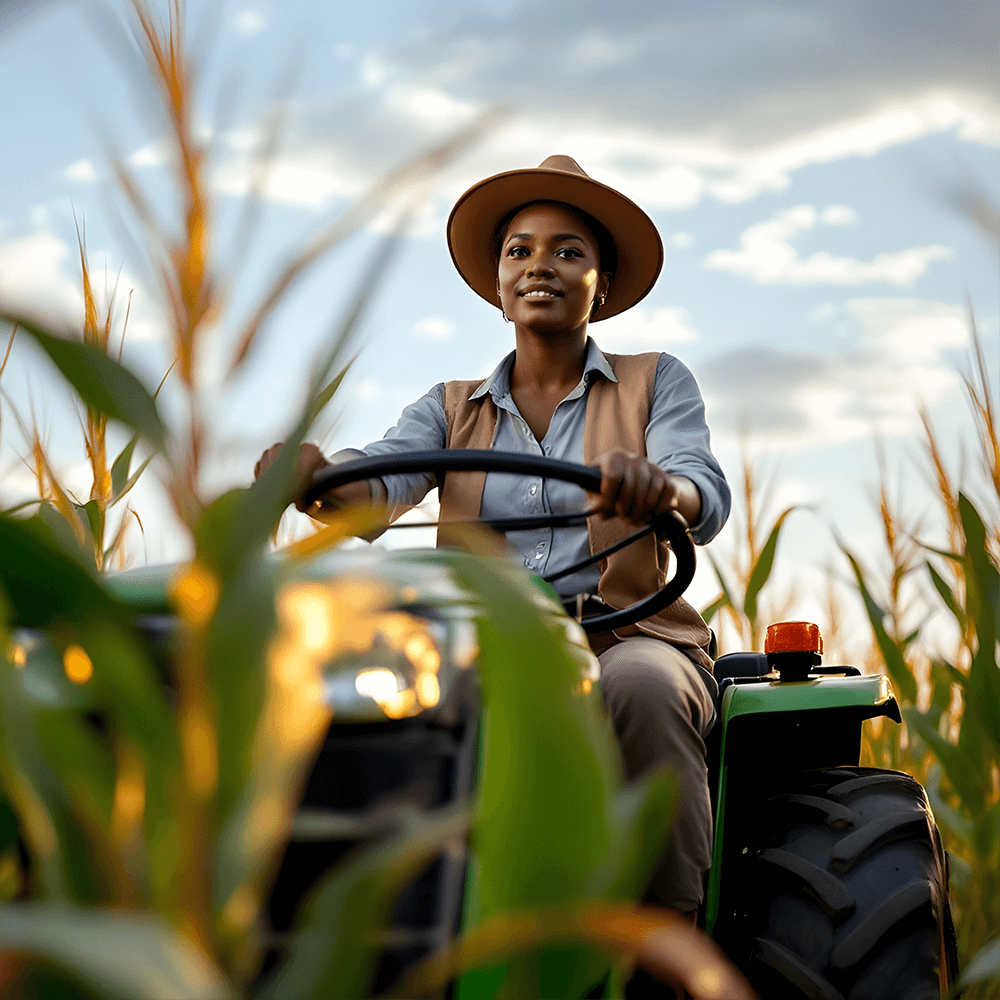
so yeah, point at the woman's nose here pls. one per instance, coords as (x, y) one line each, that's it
(538, 266)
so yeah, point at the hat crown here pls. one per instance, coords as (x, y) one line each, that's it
(566, 163)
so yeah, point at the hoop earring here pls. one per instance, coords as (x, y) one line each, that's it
(506, 318)
(597, 304)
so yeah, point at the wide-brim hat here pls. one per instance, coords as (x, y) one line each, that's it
(476, 215)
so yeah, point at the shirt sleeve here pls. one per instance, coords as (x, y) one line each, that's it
(677, 440)
(422, 426)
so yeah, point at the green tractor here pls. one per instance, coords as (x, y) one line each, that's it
(828, 879)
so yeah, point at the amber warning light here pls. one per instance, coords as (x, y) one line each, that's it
(792, 648)
(793, 637)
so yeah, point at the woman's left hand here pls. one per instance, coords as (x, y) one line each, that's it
(636, 490)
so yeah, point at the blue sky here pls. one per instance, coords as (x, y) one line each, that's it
(799, 158)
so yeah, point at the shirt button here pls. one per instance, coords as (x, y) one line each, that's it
(534, 489)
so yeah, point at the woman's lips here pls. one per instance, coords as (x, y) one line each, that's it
(540, 293)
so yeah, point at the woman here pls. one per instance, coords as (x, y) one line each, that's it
(555, 251)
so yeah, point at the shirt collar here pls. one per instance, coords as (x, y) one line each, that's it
(498, 384)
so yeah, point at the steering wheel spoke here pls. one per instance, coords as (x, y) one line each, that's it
(441, 462)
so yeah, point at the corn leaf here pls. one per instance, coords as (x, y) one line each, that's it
(661, 941)
(985, 965)
(952, 759)
(117, 955)
(957, 824)
(335, 945)
(892, 655)
(761, 571)
(120, 467)
(42, 582)
(100, 381)
(946, 594)
(132, 480)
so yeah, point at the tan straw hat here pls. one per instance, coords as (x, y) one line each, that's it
(479, 211)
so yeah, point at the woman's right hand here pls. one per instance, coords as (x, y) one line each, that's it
(311, 460)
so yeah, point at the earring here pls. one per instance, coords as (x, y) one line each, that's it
(506, 318)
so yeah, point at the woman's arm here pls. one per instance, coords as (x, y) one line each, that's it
(679, 473)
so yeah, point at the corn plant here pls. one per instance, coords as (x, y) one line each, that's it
(951, 698)
(751, 562)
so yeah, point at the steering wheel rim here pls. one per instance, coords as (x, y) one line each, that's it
(471, 460)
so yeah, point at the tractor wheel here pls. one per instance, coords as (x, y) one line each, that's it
(850, 892)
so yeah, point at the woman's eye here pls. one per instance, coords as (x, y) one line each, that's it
(569, 252)
(517, 252)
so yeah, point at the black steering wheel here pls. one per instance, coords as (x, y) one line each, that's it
(458, 460)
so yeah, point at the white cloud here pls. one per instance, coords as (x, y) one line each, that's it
(304, 182)
(435, 328)
(429, 106)
(368, 389)
(39, 274)
(153, 154)
(373, 71)
(248, 22)
(81, 172)
(594, 49)
(767, 256)
(681, 241)
(838, 215)
(639, 329)
(897, 356)
(32, 275)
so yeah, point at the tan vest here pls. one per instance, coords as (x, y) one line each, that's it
(617, 415)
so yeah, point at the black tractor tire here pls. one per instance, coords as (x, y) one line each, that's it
(849, 893)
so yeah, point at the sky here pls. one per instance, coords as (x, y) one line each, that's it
(802, 160)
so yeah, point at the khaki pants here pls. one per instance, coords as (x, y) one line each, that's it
(662, 706)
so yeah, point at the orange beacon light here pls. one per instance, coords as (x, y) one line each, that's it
(792, 648)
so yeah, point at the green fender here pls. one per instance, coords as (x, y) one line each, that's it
(859, 698)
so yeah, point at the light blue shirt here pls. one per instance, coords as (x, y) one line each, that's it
(677, 440)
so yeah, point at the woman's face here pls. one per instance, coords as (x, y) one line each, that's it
(549, 269)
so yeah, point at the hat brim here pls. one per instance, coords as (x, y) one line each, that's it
(476, 215)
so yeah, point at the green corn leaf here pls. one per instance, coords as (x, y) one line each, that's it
(984, 965)
(892, 654)
(985, 577)
(986, 837)
(20, 506)
(334, 947)
(711, 610)
(61, 533)
(91, 513)
(946, 594)
(100, 381)
(43, 581)
(8, 824)
(28, 784)
(132, 480)
(957, 824)
(120, 956)
(762, 568)
(327, 392)
(120, 467)
(640, 817)
(722, 582)
(953, 761)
